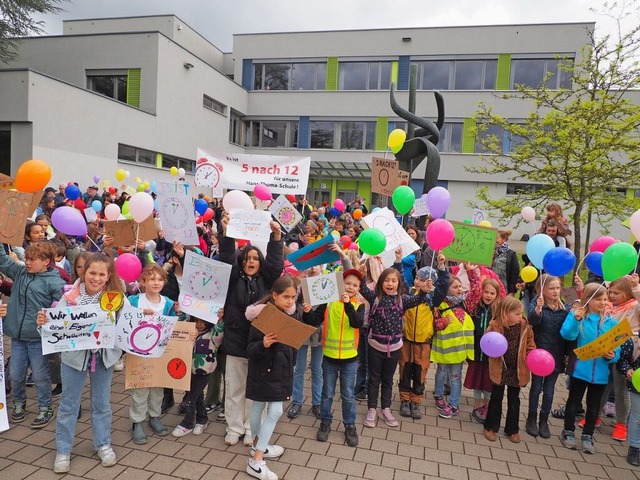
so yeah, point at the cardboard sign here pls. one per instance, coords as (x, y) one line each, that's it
(85, 327)
(171, 370)
(386, 176)
(289, 330)
(104, 184)
(606, 342)
(322, 288)
(313, 254)
(204, 286)
(143, 335)
(473, 244)
(176, 212)
(15, 210)
(4, 417)
(285, 213)
(6, 182)
(385, 221)
(124, 231)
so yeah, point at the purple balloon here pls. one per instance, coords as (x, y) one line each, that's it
(69, 221)
(96, 179)
(438, 200)
(493, 344)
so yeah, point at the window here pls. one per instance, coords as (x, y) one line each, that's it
(364, 75)
(214, 105)
(531, 73)
(492, 134)
(237, 128)
(322, 134)
(148, 157)
(273, 133)
(289, 76)
(450, 139)
(169, 161)
(356, 135)
(518, 188)
(435, 75)
(309, 76)
(112, 84)
(457, 74)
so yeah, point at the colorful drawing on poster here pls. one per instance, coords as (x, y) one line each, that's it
(4, 417)
(385, 221)
(15, 210)
(472, 243)
(251, 225)
(144, 335)
(316, 253)
(606, 342)
(204, 286)
(85, 327)
(285, 213)
(176, 212)
(322, 289)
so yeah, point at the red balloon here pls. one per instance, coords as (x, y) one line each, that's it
(291, 198)
(345, 240)
(208, 215)
(198, 220)
(112, 190)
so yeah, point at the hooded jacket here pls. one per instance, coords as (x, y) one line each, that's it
(525, 346)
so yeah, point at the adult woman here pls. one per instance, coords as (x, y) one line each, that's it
(505, 262)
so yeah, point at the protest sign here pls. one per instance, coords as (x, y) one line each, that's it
(4, 417)
(84, 327)
(322, 288)
(285, 213)
(125, 232)
(129, 189)
(171, 370)
(472, 243)
(250, 225)
(6, 182)
(289, 330)
(176, 212)
(143, 335)
(385, 221)
(315, 253)
(606, 342)
(386, 176)
(420, 208)
(204, 286)
(15, 210)
(90, 215)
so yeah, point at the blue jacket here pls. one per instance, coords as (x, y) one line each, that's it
(585, 331)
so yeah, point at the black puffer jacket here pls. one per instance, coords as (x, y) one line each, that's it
(546, 331)
(244, 291)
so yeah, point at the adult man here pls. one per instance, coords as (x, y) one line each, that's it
(552, 231)
(91, 194)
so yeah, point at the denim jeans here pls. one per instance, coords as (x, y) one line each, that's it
(362, 375)
(73, 381)
(452, 371)
(347, 373)
(634, 421)
(264, 429)
(22, 354)
(546, 386)
(316, 375)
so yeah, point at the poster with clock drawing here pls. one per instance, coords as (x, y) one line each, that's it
(176, 212)
(143, 335)
(285, 213)
(322, 289)
(385, 221)
(204, 286)
(208, 173)
(171, 370)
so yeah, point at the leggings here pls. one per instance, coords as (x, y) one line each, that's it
(576, 392)
(263, 430)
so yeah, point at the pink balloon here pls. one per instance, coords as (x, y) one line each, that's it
(540, 362)
(353, 246)
(339, 204)
(128, 267)
(440, 234)
(262, 192)
(601, 244)
(112, 211)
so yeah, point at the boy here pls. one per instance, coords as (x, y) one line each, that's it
(36, 285)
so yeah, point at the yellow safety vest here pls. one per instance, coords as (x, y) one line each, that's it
(454, 344)
(339, 339)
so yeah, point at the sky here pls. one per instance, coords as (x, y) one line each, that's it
(218, 20)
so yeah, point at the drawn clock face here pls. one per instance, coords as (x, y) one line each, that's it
(464, 242)
(175, 212)
(286, 217)
(9, 210)
(323, 289)
(385, 225)
(145, 337)
(207, 175)
(176, 368)
(204, 285)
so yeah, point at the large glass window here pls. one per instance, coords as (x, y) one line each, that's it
(276, 76)
(274, 133)
(457, 74)
(112, 85)
(289, 76)
(237, 128)
(364, 75)
(435, 75)
(532, 72)
(144, 156)
(493, 134)
(322, 134)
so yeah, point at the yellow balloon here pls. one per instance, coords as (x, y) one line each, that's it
(174, 171)
(396, 140)
(138, 180)
(529, 274)
(146, 184)
(120, 174)
(485, 223)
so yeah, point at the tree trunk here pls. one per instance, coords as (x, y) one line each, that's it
(577, 234)
(588, 234)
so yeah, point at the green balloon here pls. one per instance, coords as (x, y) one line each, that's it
(635, 380)
(618, 260)
(125, 208)
(403, 199)
(468, 220)
(372, 241)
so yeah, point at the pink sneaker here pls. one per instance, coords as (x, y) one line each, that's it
(440, 403)
(449, 411)
(388, 417)
(370, 419)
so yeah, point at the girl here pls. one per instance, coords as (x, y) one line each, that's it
(270, 374)
(629, 362)
(510, 370)
(98, 277)
(554, 212)
(586, 324)
(386, 318)
(477, 377)
(546, 315)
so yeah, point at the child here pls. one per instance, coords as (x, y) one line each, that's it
(478, 378)
(386, 317)
(630, 362)
(586, 324)
(546, 315)
(269, 378)
(36, 285)
(510, 370)
(416, 344)
(149, 400)
(99, 276)
(208, 340)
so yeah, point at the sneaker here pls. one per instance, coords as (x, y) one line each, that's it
(351, 434)
(220, 417)
(479, 414)
(568, 439)
(633, 456)
(440, 403)
(272, 451)
(388, 417)
(119, 366)
(370, 419)
(415, 411)
(260, 470)
(583, 421)
(361, 395)
(107, 456)
(19, 413)
(558, 412)
(212, 407)
(43, 419)
(62, 463)
(405, 410)
(231, 439)
(449, 411)
(619, 432)
(199, 428)
(316, 411)
(57, 391)
(490, 435)
(181, 431)
(247, 440)
(587, 444)
(294, 410)
(323, 431)
(609, 409)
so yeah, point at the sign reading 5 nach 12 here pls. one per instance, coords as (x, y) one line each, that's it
(386, 176)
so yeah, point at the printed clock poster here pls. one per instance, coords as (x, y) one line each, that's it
(204, 286)
(176, 212)
(143, 335)
(285, 213)
(322, 288)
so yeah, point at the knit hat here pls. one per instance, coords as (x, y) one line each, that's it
(427, 273)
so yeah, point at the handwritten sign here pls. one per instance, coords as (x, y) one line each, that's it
(322, 288)
(420, 208)
(204, 286)
(77, 328)
(143, 335)
(285, 213)
(176, 212)
(4, 417)
(104, 184)
(289, 330)
(15, 210)
(606, 342)
(250, 225)
(171, 370)
(385, 221)
(313, 254)
(473, 244)
(124, 231)
(386, 176)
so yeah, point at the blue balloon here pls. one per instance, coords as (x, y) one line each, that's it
(201, 206)
(153, 187)
(334, 212)
(72, 192)
(375, 209)
(96, 205)
(537, 248)
(594, 262)
(559, 261)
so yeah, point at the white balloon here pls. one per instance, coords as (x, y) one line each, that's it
(529, 214)
(237, 199)
(182, 172)
(112, 211)
(127, 173)
(140, 206)
(634, 224)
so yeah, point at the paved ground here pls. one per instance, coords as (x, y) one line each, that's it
(428, 448)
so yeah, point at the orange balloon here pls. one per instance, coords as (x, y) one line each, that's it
(357, 214)
(32, 175)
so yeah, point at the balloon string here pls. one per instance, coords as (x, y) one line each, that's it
(637, 260)
(135, 251)
(433, 257)
(594, 294)
(582, 261)
(542, 279)
(94, 243)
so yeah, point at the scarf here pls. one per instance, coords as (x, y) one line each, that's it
(502, 250)
(252, 288)
(457, 305)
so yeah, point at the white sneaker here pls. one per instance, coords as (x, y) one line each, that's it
(119, 366)
(181, 431)
(260, 470)
(231, 439)
(272, 451)
(107, 455)
(248, 439)
(62, 464)
(199, 428)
